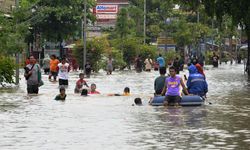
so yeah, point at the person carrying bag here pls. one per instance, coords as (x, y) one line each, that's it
(33, 76)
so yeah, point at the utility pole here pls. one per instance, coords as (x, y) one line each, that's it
(82, 38)
(213, 33)
(144, 25)
(248, 55)
(198, 16)
(85, 35)
(17, 54)
(199, 42)
(82, 30)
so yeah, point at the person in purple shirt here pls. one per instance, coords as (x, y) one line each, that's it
(171, 88)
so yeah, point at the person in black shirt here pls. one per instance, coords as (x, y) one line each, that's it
(62, 95)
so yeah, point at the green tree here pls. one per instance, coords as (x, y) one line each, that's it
(12, 35)
(137, 16)
(238, 10)
(54, 20)
(117, 56)
(147, 51)
(95, 49)
(181, 32)
(157, 12)
(122, 24)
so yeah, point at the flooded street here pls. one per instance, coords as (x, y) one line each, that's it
(110, 122)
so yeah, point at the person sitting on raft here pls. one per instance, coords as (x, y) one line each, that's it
(196, 82)
(80, 83)
(93, 89)
(171, 88)
(62, 95)
(159, 81)
(126, 92)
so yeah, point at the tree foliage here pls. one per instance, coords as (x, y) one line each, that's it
(12, 34)
(122, 25)
(129, 49)
(6, 70)
(55, 20)
(238, 10)
(137, 16)
(95, 49)
(12, 40)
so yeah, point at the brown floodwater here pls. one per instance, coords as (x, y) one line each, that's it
(110, 122)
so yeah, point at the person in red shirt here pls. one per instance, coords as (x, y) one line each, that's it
(80, 83)
(93, 89)
(27, 61)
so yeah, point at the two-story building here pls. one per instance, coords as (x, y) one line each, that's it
(106, 11)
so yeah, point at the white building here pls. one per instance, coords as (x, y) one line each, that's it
(106, 11)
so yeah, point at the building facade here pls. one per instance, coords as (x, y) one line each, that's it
(106, 11)
(6, 5)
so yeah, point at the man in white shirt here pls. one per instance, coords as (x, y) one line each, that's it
(63, 72)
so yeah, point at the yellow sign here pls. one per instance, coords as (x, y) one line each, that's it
(168, 40)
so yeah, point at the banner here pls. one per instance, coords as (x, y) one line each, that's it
(106, 16)
(110, 9)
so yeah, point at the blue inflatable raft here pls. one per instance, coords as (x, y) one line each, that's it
(188, 100)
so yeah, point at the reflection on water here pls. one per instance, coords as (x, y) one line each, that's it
(106, 122)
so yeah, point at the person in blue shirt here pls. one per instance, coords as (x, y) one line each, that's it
(196, 82)
(161, 61)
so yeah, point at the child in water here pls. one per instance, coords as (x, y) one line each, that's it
(80, 83)
(62, 95)
(137, 102)
(93, 89)
(84, 92)
(126, 92)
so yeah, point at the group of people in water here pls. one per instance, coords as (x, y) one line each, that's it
(169, 86)
(60, 69)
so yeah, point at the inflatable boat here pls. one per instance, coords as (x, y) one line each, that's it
(188, 100)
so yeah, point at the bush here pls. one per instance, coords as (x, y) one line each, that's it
(95, 49)
(170, 56)
(147, 51)
(7, 67)
(118, 58)
(208, 57)
(129, 48)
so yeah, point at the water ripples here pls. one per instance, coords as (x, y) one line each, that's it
(107, 122)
